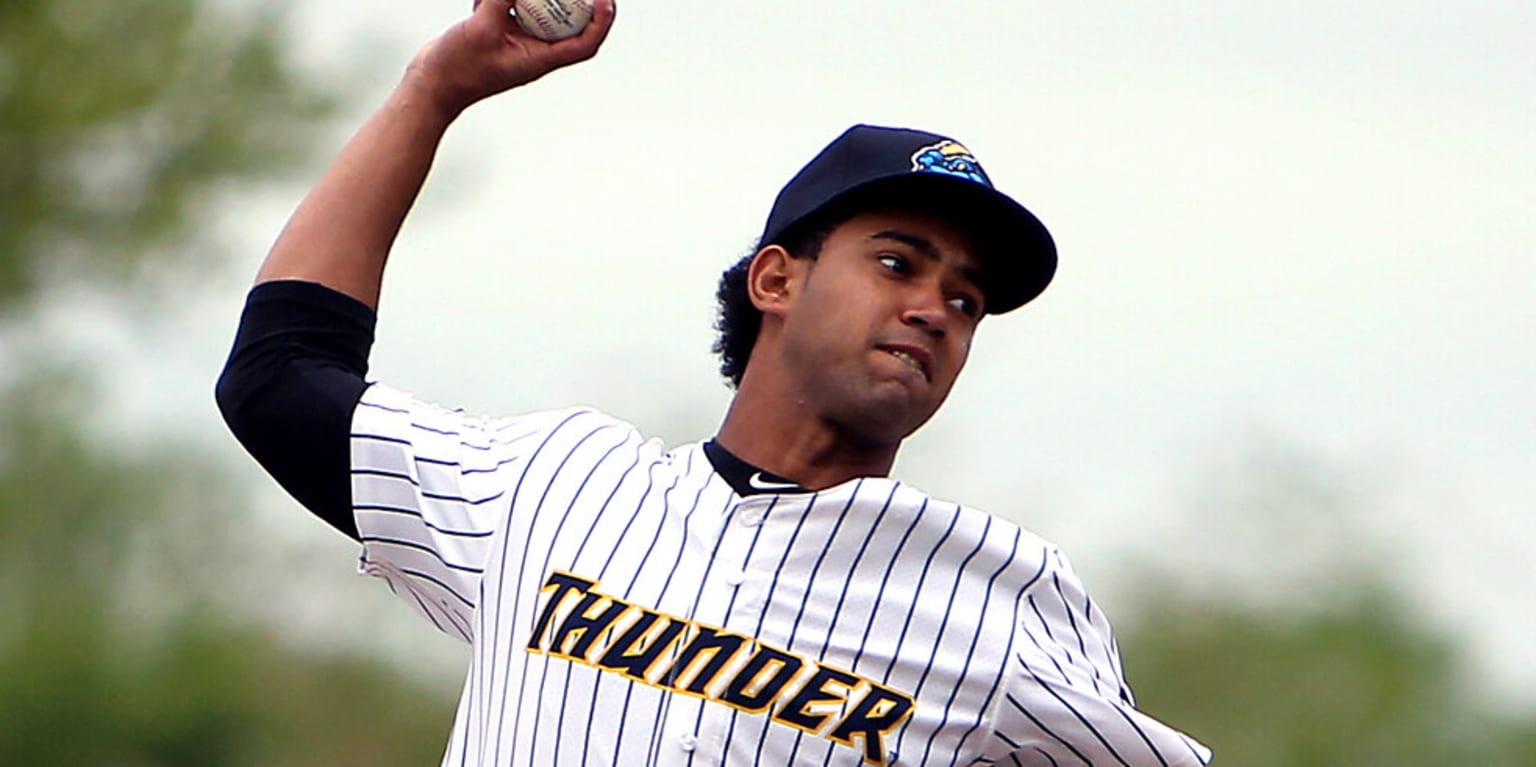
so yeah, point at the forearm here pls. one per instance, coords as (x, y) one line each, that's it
(341, 234)
(296, 371)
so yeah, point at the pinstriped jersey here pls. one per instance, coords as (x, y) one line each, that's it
(626, 605)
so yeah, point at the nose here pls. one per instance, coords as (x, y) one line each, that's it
(928, 314)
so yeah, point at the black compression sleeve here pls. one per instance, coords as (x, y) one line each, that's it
(290, 385)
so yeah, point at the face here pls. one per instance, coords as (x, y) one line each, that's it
(877, 327)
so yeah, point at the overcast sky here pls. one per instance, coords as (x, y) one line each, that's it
(1303, 228)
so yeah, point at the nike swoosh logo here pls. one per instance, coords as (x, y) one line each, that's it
(758, 483)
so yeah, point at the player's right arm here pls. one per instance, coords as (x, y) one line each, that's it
(341, 234)
(296, 371)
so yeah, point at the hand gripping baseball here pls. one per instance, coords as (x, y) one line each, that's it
(488, 53)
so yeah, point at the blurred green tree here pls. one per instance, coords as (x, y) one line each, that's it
(1293, 648)
(91, 673)
(120, 124)
(1357, 684)
(119, 120)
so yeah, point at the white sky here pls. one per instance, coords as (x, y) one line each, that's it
(1306, 225)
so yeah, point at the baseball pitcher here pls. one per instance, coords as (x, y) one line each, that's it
(766, 596)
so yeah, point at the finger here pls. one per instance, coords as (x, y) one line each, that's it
(494, 16)
(585, 45)
(499, 10)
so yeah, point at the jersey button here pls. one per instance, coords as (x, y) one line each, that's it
(733, 579)
(752, 516)
(687, 742)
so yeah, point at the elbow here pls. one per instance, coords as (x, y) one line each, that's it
(250, 394)
(224, 397)
(230, 393)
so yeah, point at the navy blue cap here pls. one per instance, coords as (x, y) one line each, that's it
(870, 166)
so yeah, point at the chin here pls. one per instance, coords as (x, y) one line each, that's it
(885, 420)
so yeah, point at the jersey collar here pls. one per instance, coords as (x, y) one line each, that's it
(744, 478)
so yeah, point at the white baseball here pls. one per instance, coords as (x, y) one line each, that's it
(552, 19)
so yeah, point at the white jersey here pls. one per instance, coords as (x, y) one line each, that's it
(627, 606)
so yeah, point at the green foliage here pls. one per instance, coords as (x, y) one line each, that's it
(1357, 682)
(117, 122)
(201, 693)
(1291, 648)
(92, 673)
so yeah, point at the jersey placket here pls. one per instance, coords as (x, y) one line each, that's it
(732, 598)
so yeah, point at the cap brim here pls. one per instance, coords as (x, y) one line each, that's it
(1017, 253)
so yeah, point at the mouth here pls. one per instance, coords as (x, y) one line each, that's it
(919, 359)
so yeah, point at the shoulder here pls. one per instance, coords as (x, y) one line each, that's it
(1012, 557)
(384, 403)
(391, 420)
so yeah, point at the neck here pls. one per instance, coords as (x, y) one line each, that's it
(778, 435)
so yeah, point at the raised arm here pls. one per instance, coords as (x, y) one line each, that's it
(341, 234)
(297, 368)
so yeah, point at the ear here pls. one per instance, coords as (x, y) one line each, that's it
(770, 278)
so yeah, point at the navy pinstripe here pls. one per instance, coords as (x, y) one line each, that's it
(498, 626)
(883, 628)
(543, 674)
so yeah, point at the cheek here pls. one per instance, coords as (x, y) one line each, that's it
(844, 318)
(961, 351)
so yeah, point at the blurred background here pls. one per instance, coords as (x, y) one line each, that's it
(1276, 405)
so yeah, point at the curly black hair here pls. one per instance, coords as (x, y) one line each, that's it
(737, 320)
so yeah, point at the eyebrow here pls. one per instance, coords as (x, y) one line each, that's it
(926, 247)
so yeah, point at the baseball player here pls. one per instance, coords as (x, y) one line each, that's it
(765, 597)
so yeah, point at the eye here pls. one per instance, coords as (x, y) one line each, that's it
(966, 305)
(895, 263)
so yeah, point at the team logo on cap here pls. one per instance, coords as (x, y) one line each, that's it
(951, 159)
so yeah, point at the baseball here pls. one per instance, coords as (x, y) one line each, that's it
(552, 20)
